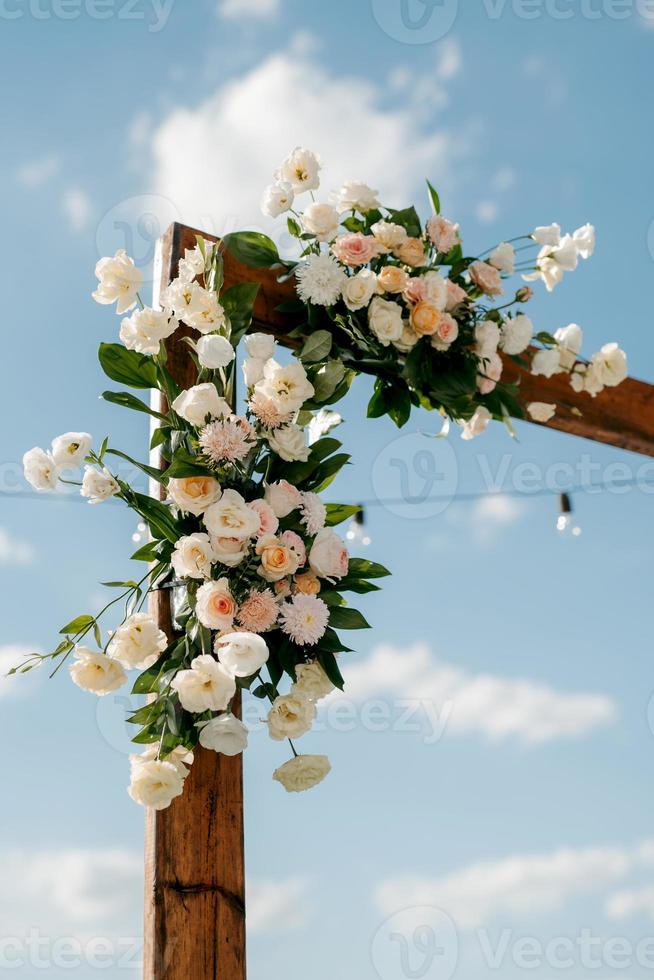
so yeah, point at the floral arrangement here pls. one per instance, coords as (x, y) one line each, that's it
(241, 537)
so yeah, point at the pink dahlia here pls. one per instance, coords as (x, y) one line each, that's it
(305, 619)
(268, 413)
(259, 612)
(227, 440)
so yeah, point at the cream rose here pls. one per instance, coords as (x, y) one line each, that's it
(321, 220)
(408, 340)
(541, 411)
(214, 351)
(455, 295)
(385, 320)
(215, 605)
(231, 517)
(193, 556)
(546, 362)
(290, 717)
(229, 551)
(425, 319)
(411, 252)
(359, 289)
(486, 278)
(225, 734)
(389, 235)
(354, 195)
(138, 642)
(96, 672)
(303, 772)
(289, 443)
(194, 494)
(144, 330)
(328, 556)
(287, 386)
(243, 654)
(207, 686)
(487, 338)
(283, 497)
(98, 485)
(155, 783)
(312, 682)
(392, 279)
(199, 403)
(516, 334)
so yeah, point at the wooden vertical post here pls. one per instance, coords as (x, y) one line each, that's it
(194, 856)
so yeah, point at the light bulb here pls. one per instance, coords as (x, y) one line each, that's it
(565, 522)
(356, 530)
(139, 533)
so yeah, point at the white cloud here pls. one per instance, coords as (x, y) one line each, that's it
(38, 172)
(450, 61)
(504, 179)
(13, 655)
(277, 905)
(625, 904)
(234, 9)
(77, 207)
(493, 512)
(213, 161)
(513, 886)
(487, 212)
(13, 551)
(496, 707)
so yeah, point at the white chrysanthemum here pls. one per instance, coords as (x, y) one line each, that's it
(313, 512)
(320, 280)
(305, 619)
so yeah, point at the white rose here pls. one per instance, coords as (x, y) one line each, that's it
(260, 345)
(301, 170)
(409, 339)
(516, 334)
(287, 386)
(193, 262)
(303, 772)
(194, 494)
(546, 362)
(503, 258)
(119, 281)
(358, 290)
(389, 235)
(214, 351)
(215, 606)
(69, 450)
(231, 517)
(144, 330)
(243, 654)
(290, 717)
(312, 682)
(610, 365)
(477, 424)
(570, 340)
(253, 370)
(547, 234)
(322, 221)
(328, 557)
(283, 497)
(226, 734)
(229, 551)
(385, 320)
(277, 198)
(584, 239)
(354, 195)
(541, 411)
(592, 383)
(96, 672)
(199, 403)
(138, 642)
(98, 485)
(204, 312)
(155, 783)
(487, 338)
(207, 686)
(193, 556)
(436, 289)
(40, 469)
(289, 443)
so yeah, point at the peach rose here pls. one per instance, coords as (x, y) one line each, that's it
(277, 559)
(215, 605)
(268, 521)
(308, 583)
(443, 233)
(411, 252)
(455, 295)
(425, 319)
(486, 278)
(448, 331)
(392, 279)
(355, 249)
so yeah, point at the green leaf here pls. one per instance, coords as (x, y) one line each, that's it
(77, 625)
(317, 347)
(159, 518)
(342, 617)
(327, 380)
(546, 338)
(409, 220)
(151, 471)
(127, 366)
(126, 400)
(252, 248)
(434, 198)
(294, 227)
(185, 464)
(357, 585)
(325, 474)
(148, 552)
(238, 303)
(400, 406)
(329, 664)
(338, 513)
(362, 568)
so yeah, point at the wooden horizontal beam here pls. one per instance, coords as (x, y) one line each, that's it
(622, 416)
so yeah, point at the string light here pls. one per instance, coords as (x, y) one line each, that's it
(565, 522)
(356, 529)
(140, 534)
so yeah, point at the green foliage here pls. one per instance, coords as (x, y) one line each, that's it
(252, 248)
(127, 366)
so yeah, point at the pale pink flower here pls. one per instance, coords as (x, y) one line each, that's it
(486, 277)
(313, 512)
(259, 612)
(443, 233)
(490, 372)
(268, 520)
(448, 329)
(305, 619)
(296, 544)
(268, 413)
(355, 248)
(227, 440)
(455, 295)
(416, 290)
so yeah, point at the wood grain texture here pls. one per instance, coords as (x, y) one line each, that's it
(622, 416)
(194, 860)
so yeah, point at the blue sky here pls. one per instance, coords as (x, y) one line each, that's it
(518, 799)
